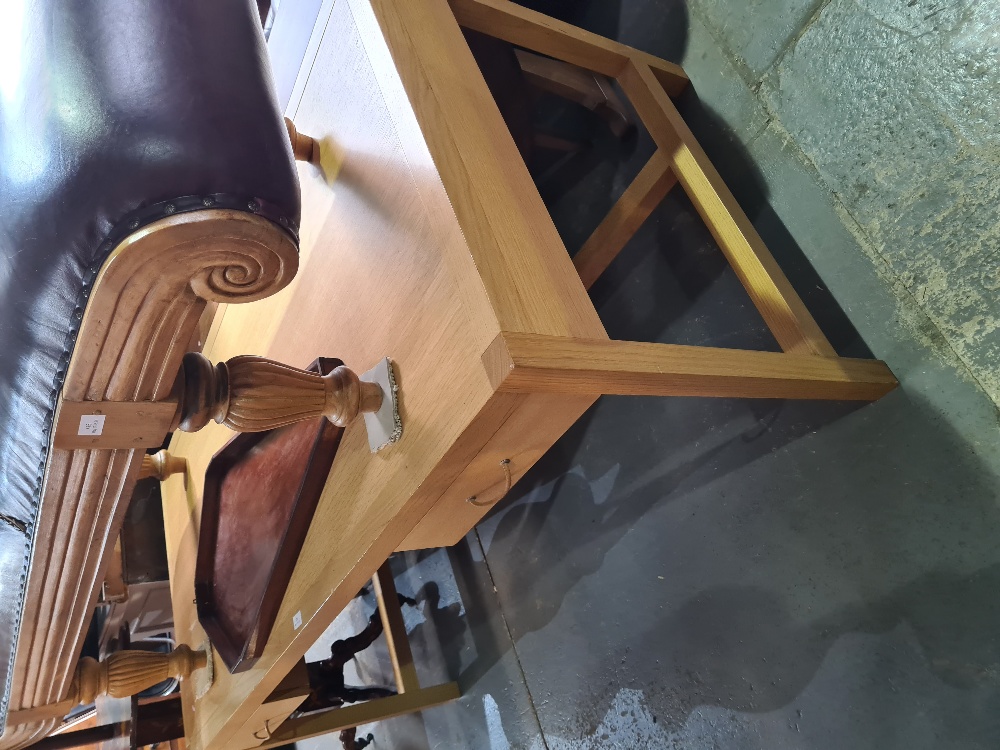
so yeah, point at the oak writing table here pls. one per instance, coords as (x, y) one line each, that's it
(433, 247)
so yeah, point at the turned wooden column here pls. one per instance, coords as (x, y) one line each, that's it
(121, 675)
(161, 465)
(127, 673)
(253, 394)
(303, 147)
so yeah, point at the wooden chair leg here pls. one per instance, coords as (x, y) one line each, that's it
(411, 697)
(531, 363)
(161, 465)
(540, 33)
(304, 148)
(120, 675)
(253, 394)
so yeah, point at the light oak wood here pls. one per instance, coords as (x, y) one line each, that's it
(576, 84)
(527, 28)
(777, 301)
(161, 465)
(114, 589)
(394, 631)
(518, 440)
(283, 701)
(634, 206)
(126, 424)
(649, 83)
(492, 195)
(304, 148)
(527, 363)
(120, 675)
(357, 714)
(432, 187)
(134, 331)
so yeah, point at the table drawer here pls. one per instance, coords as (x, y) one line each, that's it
(531, 429)
(283, 701)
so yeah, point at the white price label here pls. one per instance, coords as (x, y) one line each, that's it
(297, 620)
(91, 425)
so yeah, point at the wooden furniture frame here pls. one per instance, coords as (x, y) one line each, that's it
(130, 368)
(649, 83)
(571, 82)
(411, 697)
(156, 721)
(143, 311)
(498, 346)
(574, 365)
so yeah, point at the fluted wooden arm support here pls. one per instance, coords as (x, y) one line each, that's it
(127, 673)
(253, 394)
(120, 675)
(161, 465)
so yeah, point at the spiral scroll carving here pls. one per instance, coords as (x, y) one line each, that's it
(142, 310)
(243, 271)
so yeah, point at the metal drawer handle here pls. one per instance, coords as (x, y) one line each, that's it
(505, 463)
(266, 730)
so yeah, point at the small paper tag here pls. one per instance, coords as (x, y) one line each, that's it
(91, 425)
(297, 620)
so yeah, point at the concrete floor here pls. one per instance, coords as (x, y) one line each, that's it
(699, 573)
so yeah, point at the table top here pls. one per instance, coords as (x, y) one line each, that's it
(431, 241)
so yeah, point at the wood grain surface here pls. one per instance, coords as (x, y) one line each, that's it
(430, 245)
(140, 318)
(431, 234)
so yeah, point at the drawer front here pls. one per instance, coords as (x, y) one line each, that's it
(285, 699)
(539, 420)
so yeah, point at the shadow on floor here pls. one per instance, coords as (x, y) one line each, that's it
(839, 525)
(840, 482)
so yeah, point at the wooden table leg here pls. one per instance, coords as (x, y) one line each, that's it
(530, 363)
(161, 465)
(395, 631)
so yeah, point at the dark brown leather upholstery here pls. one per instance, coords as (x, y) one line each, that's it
(113, 113)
